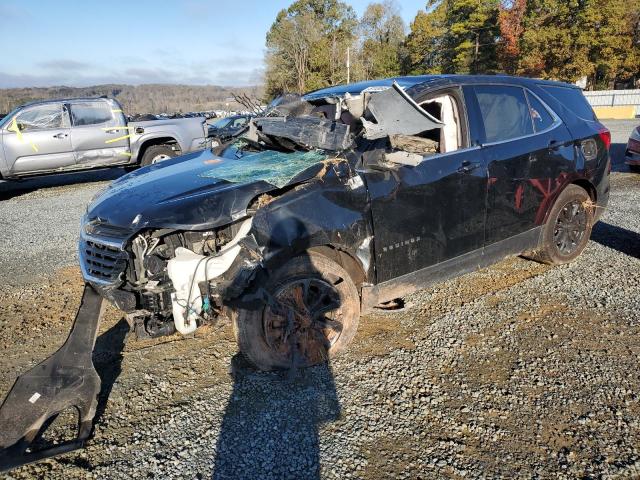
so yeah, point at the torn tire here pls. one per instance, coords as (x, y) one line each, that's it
(309, 313)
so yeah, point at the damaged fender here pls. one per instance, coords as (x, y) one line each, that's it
(66, 379)
(331, 211)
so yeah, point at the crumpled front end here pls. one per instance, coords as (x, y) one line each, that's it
(170, 281)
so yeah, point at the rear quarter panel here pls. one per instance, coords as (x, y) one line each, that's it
(595, 172)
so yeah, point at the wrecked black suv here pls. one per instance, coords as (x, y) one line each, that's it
(344, 199)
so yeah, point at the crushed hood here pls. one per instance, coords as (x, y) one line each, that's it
(197, 191)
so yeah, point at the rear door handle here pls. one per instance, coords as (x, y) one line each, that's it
(468, 167)
(60, 136)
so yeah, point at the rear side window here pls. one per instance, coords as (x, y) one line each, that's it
(542, 119)
(573, 99)
(90, 113)
(504, 111)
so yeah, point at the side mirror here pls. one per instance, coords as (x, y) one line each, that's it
(21, 126)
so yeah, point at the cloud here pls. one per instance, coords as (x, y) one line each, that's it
(231, 70)
(151, 75)
(64, 64)
(198, 10)
(239, 78)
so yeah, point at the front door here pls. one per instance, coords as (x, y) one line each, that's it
(38, 139)
(433, 211)
(99, 133)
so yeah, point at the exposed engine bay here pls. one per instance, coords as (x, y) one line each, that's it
(178, 282)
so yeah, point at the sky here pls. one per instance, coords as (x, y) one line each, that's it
(82, 43)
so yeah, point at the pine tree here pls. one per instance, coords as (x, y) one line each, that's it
(567, 40)
(425, 41)
(455, 36)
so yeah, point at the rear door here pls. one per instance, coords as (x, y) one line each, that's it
(99, 133)
(528, 151)
(38, 139)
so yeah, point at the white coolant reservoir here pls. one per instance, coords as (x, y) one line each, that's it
(187, 269)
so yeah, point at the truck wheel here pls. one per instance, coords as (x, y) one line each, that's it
(567, 231)
(310, 313)
(634, 168)
(157, 153)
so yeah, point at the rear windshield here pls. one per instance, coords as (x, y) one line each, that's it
(573, 99)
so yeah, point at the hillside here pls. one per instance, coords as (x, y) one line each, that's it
(138, 98)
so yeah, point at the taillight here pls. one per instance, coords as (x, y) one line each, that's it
(605, 135)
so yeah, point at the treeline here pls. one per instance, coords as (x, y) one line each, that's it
(317, 43)
(139, 98)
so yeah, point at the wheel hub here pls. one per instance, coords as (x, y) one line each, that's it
(570, 228)
(303, 321)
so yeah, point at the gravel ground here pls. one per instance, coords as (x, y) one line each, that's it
(40, 222)
(518, 370)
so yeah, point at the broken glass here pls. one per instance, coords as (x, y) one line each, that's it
(277, 168)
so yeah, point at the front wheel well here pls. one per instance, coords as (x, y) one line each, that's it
(345, 260)
(157, 141)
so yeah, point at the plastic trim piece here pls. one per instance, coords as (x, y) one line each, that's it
(67, 379)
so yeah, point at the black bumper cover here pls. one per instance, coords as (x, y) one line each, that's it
(66, 379)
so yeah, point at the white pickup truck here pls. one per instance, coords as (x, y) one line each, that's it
(84, 133)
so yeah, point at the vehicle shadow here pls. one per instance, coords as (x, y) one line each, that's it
(107, 360)
(10, 189)
(620, 239)
(270, 427)
(616, 151)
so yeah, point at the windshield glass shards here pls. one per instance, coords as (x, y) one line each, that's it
(277, 168)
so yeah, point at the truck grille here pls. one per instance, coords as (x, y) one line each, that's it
(102, 259)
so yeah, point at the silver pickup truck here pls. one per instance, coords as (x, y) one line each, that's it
(83, 133)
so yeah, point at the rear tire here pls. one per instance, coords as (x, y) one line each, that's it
(310, 314)
(568, 228)
(157, 153)
(634, 168)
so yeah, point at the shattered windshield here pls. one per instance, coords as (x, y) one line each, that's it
(277, 168)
